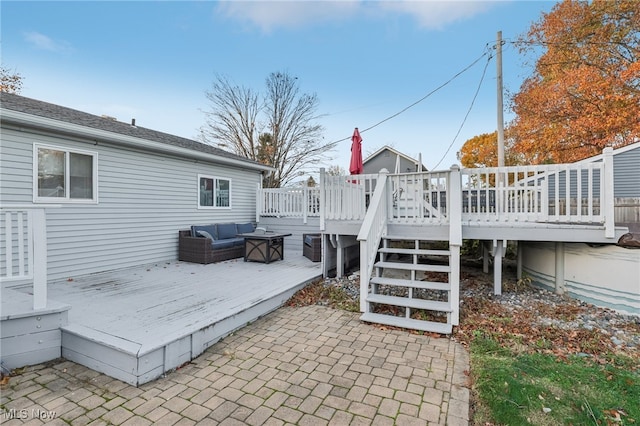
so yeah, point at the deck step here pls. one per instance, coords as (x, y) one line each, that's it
(398, 282)
(413, 266)
(435, 327)
(424, 252)
(405, 238)
(428, 305)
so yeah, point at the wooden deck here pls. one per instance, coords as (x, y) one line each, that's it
(136, 324)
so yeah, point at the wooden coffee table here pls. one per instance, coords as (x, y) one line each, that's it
(263, 246)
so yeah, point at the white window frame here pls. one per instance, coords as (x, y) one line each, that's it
(214, 178)
(67, 176)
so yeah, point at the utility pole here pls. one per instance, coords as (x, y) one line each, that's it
(500, 117)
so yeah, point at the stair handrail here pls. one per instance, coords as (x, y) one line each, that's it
(374, 226)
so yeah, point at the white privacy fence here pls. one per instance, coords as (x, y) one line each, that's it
(23, 249)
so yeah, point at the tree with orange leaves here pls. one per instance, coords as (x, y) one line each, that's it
(482, 151)
(10, 81)
(584, 94)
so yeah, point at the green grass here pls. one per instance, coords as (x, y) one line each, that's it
(517, 389)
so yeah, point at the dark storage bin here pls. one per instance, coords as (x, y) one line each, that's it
(312, 247)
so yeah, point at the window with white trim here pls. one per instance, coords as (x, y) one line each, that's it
(214, 192)
(64, 175)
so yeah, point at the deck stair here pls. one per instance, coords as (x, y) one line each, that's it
(412, 286)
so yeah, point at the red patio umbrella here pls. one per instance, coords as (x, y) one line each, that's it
(355, 166)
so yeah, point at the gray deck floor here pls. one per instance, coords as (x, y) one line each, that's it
(151, 305)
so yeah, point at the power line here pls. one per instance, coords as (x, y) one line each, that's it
(464, 120)
(485, 53)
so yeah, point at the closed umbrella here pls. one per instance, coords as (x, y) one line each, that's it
(355, 166)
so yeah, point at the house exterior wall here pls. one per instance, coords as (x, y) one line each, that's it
(387, 160)
(626, 174)
(144, 198)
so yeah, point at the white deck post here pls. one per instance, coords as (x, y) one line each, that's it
(559, 268)
(485, 256)
(519, 261)
(364, 274)
(39, 258)
(305, 204)
(498, 252)
(455, 240)
(259, 201)
(322, 199)
(339, 257)
(607, 201)
(455, 206)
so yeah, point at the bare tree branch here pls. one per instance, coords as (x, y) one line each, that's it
(280, 131)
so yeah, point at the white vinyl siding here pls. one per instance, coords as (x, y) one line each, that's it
(627, 173)
(145, 198)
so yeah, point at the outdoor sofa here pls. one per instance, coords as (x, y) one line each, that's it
(212, 243)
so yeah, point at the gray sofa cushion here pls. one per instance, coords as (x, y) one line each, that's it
(206, 231)
(227, 243)
(226, 230)
(245, 228)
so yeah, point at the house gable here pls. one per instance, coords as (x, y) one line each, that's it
(387, 157)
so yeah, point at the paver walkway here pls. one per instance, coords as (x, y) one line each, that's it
(303, 366)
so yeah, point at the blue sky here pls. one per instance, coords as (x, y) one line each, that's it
(365, 60)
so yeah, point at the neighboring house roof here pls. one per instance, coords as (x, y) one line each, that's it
(395, 153)
(38, 114)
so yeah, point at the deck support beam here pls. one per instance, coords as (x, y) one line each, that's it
(339, 258)
(485, 256)
(560, 268)
(519, 261)
(498, 251)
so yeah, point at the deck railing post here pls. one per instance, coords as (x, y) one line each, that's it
(607, 201)
(259, 201)
(25, 235)
(455, 206)
(364, 274)
(374, 226)
(305, 204)
(39, 259)
(323, 191)
(455, 239)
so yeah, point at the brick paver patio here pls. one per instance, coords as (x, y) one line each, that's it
(302, 366)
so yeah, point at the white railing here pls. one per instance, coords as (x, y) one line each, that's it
(575, 193)
(289, 202)
(419, 197)
(347, 197)
(23, 252)
(373, 228)
(568, 193)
